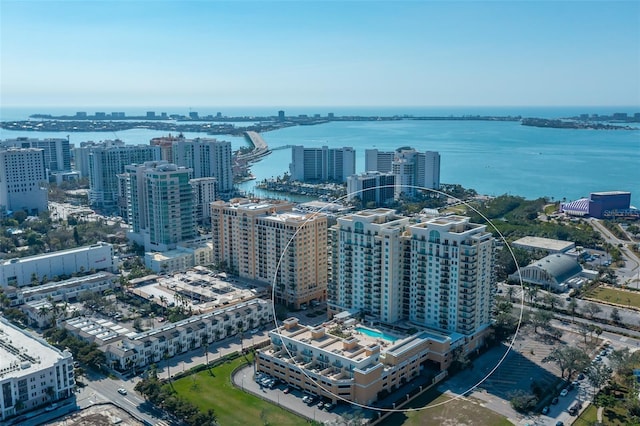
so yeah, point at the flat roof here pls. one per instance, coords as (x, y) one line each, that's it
(544, 243)
(22, 354)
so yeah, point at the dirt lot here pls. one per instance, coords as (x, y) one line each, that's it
(98, 415)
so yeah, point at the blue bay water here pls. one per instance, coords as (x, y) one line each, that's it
(492, 157)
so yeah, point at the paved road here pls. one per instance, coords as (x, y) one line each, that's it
(630, 273)
(627, 316)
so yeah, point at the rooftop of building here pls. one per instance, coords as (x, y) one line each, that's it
(348, 338)
(55, 253)
(544, 243)
(72, 282)
(22, 353)
(199, 288)
(560, 266)
(604, 193)
(99, 329)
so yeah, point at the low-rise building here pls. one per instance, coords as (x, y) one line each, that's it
(344, 359)
(554, 272)
(67, 290)
(32, 372)
(138, 350)
(27, 270)
(548, 245)
(185, 256)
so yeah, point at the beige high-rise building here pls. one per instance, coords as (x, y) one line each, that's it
(269, 242)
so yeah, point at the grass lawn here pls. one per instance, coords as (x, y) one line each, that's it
(460, 412)
(231, 405)
(588, 417)
(614, 295)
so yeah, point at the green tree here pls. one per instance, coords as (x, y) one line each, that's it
(598, 375)
(569, 359)
(591, 309)
(615, 315)
(540, 318)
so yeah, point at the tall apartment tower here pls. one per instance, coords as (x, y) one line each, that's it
(57, 155)
(106, 162)
(322, 164)
(372, 188)
(415, 169)
(437, 274)
(81, 154)
(367, 264)
(207, 158)
(450, 280)
(23, 178)
(378, 161)
(204, 192)
(271, 243)
(166, 146)
(161, 205)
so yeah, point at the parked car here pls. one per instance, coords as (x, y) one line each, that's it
(286, 390)
(564, 392)
(545, 410)
(554, 401)
(330, 406)
(51, 407)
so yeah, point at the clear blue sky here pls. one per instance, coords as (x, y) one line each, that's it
(334, 53)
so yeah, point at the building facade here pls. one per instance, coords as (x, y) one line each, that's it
(414, 170)
(450, 279)
(322, 164)
(206, 158)
(106, 163)
(437, 273)
(366, 264)
(378, 161)
(374, 189)
(57, 155)
(161, 205)
(66, 290)
(32, 372)
(23, 180)
(27, 270)
(138, 350)
(204, 191)
(271, 243)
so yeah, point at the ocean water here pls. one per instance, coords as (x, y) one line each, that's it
(492, 157)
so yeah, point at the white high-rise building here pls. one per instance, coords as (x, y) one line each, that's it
(367, 264)
(372, 187)
(415, 169)
(23, 180)
(161, 205)
(106, 162)
(437, 273)
(451, 274)
(204, 191)
(32, 372)
(378, 161)
(57, 156)
(322, 164)
(207, 158)
(81, 154)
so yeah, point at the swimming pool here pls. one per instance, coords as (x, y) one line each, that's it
(376, 334)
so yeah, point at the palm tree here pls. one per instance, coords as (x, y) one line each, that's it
(511, 290)
(43, 311)
(204, 337)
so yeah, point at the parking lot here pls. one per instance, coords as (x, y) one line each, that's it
(283, 395)
(523, 365)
